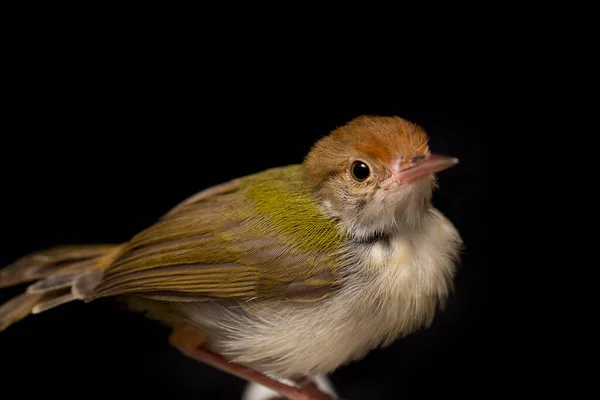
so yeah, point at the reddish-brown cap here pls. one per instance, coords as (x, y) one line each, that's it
(380, 140)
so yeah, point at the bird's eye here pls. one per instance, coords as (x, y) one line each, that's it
(360, 171)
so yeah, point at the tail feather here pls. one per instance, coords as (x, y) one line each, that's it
(52, 283)
(52, 302)
(17, 308)
(62, 274)
(45, 263)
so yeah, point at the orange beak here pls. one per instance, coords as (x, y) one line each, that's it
(419, 167)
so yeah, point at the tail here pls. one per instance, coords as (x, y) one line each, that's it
(61, 275)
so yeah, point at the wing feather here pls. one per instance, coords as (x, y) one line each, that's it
(261, 236)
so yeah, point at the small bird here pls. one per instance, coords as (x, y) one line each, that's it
(282, 275)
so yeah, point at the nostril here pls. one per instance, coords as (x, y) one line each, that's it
(417, 159)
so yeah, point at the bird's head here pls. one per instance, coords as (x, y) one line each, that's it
(375, 174)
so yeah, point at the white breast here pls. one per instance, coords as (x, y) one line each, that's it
(394, 294)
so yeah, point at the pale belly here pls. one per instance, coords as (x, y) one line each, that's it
(296, 339)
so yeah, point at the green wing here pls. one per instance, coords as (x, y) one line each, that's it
(261, 236)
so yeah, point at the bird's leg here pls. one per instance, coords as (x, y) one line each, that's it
(309, 386)
(189, 342)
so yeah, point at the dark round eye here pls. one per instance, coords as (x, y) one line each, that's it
(360, 171)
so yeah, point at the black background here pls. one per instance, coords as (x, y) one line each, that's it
(94, 150)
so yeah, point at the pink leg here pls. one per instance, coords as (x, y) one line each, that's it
(189, 343)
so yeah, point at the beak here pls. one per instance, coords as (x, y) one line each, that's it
(419, 167)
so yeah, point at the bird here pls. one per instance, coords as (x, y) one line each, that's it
(282, 275)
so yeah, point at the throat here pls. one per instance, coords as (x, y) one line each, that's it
(386, 233)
